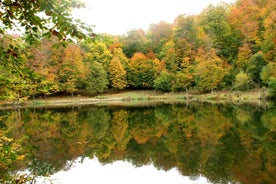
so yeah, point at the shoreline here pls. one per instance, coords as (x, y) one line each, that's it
(144, 97)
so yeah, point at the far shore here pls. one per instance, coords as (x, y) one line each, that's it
(254, 97)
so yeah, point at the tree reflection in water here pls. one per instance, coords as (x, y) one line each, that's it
(223, 143)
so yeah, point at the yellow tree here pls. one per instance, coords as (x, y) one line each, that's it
(97, 52)
(72, 69)
(210, 70)
(142, 71)
(169, 56)
(243, 57)
(118, 52)
(184, 77)
(117, 74)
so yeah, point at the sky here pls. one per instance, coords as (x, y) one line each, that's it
(92, 171)
(119, 16)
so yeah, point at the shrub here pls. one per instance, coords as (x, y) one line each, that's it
(163, 82)
(242, 82)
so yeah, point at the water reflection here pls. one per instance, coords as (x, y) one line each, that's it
(92, 171)
(226, 144)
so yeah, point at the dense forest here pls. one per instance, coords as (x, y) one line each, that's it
(226, 46)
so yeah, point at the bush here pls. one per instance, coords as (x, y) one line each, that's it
(242, 82)
(163, 82)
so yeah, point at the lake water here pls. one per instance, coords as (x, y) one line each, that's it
(168, 143)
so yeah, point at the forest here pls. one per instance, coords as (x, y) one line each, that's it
(225, 47)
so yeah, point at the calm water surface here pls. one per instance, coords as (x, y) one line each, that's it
(151, 144)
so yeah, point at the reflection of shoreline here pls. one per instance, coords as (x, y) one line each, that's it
(146, 98)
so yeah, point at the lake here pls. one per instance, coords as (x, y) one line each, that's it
(164, 143)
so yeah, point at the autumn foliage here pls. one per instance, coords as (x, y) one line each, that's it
(213, 50)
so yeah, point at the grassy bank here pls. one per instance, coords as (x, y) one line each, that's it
(147, 96)
(253, 96)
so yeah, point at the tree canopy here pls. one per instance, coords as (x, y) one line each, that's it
(50, 17)
(226, 46)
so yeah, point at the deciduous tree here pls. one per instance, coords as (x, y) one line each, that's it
(224, 37)
(158, 34)
(97, 51)
(141, 72)
(97, 80)
(210, 70)
(169, 57)
(134, 41)
(268, 72)
(243, 57)
(71, 70)
(163, 82)
(184, 79)
(117, 74)
(255, 66)
(242, 81)
(50, 16)
(185, 37)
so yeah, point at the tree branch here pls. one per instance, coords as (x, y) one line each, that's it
(11, 4)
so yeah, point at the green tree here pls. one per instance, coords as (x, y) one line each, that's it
(184, 79)
(268, 72)
(242, 81)
(169, 56)
(158, 35)
(255, 66)
(224, 37)
(15, 75)
(272, 88)
(97, 80)
(117, 74)
(185, 37)
(134, 41)
(163, 82)
(55, 20)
